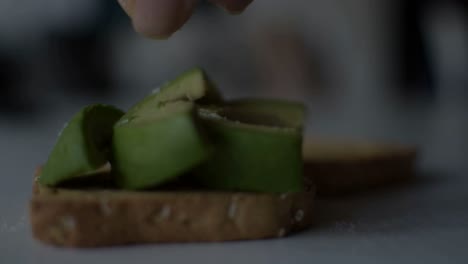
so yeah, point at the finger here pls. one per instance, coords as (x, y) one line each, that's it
(160, 18)
(127, 6)
(232, 6)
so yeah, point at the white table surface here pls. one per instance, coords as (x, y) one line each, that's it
(425, 222)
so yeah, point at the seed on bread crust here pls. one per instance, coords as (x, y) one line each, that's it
(61, 230)
(232, 209)
(299, 215)
(105, 207)
(165, 213)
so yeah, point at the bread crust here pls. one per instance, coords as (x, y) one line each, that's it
(79, 218)
(343, 168)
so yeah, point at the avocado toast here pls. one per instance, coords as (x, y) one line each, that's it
(166, 172)
(98, 218)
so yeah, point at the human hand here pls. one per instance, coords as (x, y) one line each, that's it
(160, 18)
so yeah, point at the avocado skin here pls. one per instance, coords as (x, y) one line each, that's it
(83, 145)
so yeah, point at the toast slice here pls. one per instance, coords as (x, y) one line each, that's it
(99, 218)
(339, 168)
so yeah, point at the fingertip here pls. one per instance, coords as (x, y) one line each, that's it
(159, 19)
(149, 31)
(127, 6)
(233, 7)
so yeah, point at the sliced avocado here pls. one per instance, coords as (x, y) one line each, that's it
(193, 85)
(156, 146)
(288, 112)
(255, 151)
(83, 146)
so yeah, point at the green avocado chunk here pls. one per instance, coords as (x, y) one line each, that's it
(256, 150)
(156, 146)
(83, 146)
(193, 85)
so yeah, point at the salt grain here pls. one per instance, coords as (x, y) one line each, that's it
(282, 232)
(156, 90)
(209, 114)
(123, 121)
(61, 130)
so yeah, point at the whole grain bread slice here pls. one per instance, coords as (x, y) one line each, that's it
(342, 167)
(81, 218)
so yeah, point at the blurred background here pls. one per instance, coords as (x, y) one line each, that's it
(380, 70)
